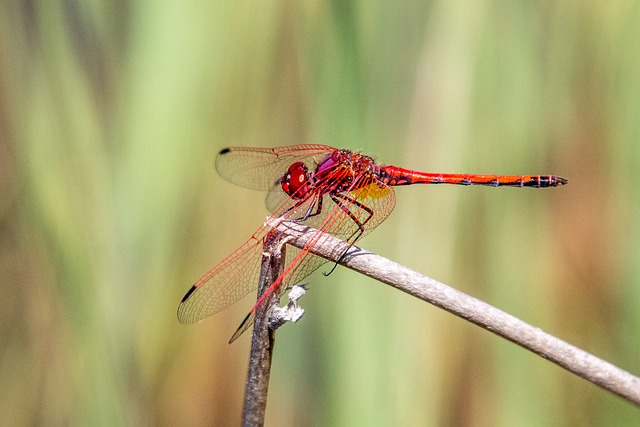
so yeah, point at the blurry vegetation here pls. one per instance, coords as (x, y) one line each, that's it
(111, 114)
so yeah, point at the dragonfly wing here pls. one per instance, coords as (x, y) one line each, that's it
(262, 168)
(246, 324)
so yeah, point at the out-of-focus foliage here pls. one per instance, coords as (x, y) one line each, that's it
(111, 114)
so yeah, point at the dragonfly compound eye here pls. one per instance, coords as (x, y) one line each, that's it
(295, 181)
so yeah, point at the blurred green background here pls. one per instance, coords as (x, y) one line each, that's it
(111, 114)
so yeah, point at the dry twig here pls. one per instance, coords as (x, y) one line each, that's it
(565, 355)
(263, 339)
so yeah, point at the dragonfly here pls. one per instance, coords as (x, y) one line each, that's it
(336, 191)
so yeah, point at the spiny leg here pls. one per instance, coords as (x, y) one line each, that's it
(339, 199)
(316, 203)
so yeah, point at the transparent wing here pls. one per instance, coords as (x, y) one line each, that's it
(262, 168)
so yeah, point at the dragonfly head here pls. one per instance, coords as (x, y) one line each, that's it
(296, 181)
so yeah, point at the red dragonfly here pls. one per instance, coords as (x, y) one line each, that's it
(337, 191)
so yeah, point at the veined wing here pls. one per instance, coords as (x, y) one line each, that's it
(262, 168)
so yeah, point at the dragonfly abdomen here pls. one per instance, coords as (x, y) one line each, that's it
(392, 175)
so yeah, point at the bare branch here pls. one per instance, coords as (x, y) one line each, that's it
(565, 355)
(263, 339)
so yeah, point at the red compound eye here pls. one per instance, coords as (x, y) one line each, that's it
(295, 181)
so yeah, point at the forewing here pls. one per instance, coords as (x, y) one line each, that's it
(262, 168)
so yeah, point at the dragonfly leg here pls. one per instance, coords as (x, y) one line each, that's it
(315, 204)
(343, 202)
